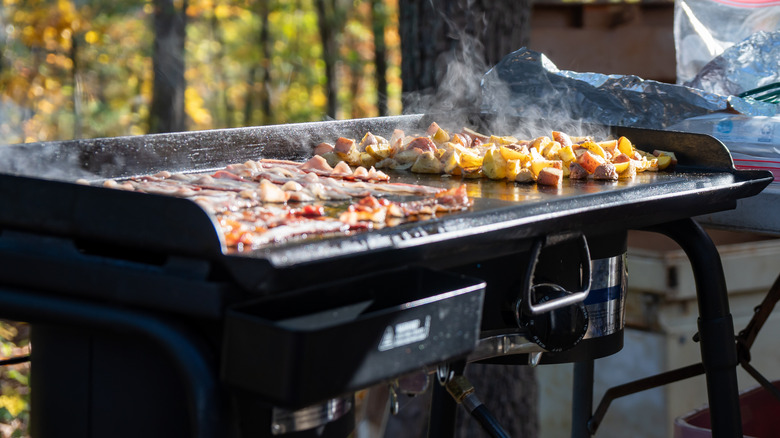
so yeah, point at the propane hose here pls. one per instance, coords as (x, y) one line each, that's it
(463, 392)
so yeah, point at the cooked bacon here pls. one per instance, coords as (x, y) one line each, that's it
(255, 202)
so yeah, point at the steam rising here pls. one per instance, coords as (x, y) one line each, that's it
(467, 84)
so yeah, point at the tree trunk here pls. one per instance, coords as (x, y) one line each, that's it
(447, 46)
(378, 20)
(167, 109)
(73, 54)
(325, 12)
(265, 47)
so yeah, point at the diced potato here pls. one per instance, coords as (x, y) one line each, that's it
(494, 164)
(562, 138)
(440, 136)
(580, 139)
(433, 128)
(652, 165)
(589, 162)
(594, 149)
(663, 161)
(524, 175)
(641, 165)
(567, 154)
(513, 154)
(451, 162)
(408, 156)
(379, 151)
(367, 160)
(625, 146)
(343, 145)
(621, 167)
(550, 151)
(474, 134)
(471, 172)
(469, 159)
(539, 143)
(538, 165)
(629, 172)
(610, 146)
(513, 167)
(367, 140)
(565, 169)
(550, 176)
(424, 144)
(427, 163)
(502, 140)
(332, 158)
(347, 150)
(536, 155)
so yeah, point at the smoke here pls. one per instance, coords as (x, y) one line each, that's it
(467, 84)
(40, 160)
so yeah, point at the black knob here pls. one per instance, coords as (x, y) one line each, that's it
(557, 330)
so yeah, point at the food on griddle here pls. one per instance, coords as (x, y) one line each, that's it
(470, 154)
(261, 202)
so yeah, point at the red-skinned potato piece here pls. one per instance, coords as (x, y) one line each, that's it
(562, 138)
(589, 162)
(550, 176)
(424, 144)
(343, 145)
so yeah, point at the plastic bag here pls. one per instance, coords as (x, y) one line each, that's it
(703, 29)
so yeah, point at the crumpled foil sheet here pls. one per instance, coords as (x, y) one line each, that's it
(750, 64)
(526, 83)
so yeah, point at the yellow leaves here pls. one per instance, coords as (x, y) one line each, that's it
(194, 107)
(91, 37)
(14, 404)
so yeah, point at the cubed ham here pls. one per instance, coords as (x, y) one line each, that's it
(577, 172)
(605, 171)
(343, 145)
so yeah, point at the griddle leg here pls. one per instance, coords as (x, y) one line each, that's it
(582, 399)
(441, 423)
(716, 327)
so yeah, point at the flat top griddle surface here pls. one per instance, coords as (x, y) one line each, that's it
(504, 214)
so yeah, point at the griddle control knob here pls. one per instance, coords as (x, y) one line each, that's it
(558, 329)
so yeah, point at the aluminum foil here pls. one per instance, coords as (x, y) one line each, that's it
(750, 64)
(526, 83)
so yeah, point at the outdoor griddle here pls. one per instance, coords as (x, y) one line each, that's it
(136, 303)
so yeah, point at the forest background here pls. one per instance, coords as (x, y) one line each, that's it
(77, 69)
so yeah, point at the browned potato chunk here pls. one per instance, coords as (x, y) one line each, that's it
(589, 162)
(550, 176)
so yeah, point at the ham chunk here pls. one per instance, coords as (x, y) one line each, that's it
(605, 171)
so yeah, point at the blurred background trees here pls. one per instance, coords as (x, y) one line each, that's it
(96, 68)
(80, 69)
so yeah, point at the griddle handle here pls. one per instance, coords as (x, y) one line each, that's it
(556, 303)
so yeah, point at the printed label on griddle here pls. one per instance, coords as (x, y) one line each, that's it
(405, 333)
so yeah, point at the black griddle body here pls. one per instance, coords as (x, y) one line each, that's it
(157, 271)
